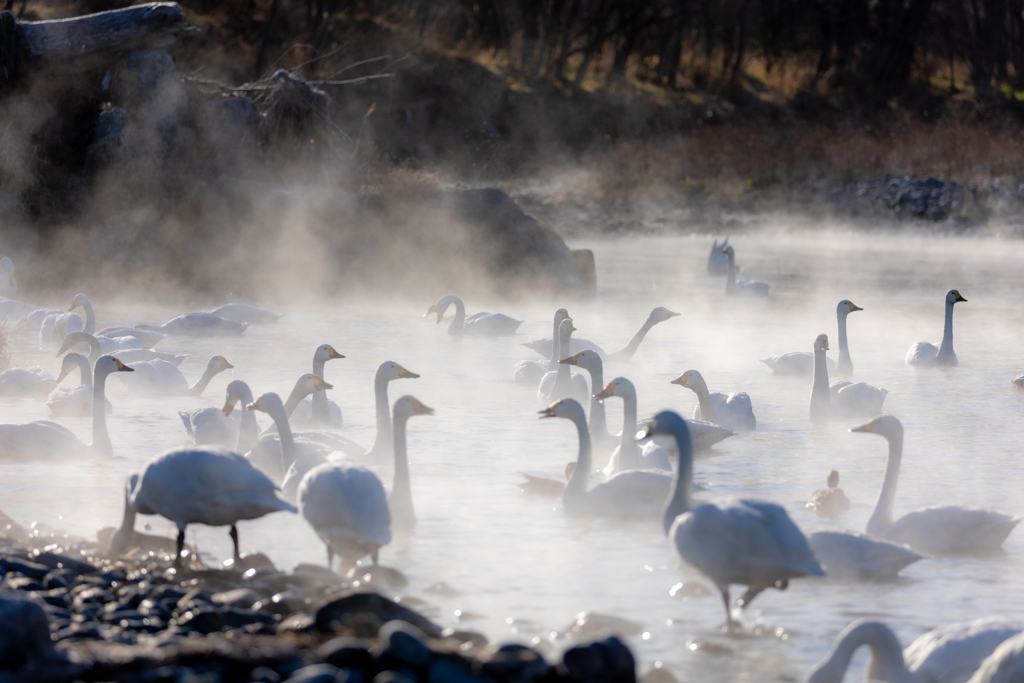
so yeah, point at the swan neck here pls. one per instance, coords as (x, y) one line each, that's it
(563, 376)
(90, 318)
(86, 371)
(882, 516)
(577, 485)
(946, 349)
(294, 399)
(845, 363)
(730, 279)
(884, 664)
(100, 436)
(556, 351)
(284, 435)
(821, 401)
(248, 431)
(598, 421)
(401, 490)
(682, 496)
(459, 321)
(200, 386)
(629, 456)
(626, 352)
(121, 539)
(319, 414)
(383, 443)
(707, 408)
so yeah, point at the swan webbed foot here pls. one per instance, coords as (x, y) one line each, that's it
(180, 545)
(234, 540)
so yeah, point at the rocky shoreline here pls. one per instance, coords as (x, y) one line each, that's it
(69, 614)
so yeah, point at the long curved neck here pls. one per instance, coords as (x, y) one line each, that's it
(100, 436)
(707, 408)
(598, 422)
(577, 485)
(882, 516)
(627, 351)
(200, 386)
(730, 280)
(460, 314)
(120, 541)
(629, 453)
(556, 350)
(946, 348)
(90, 317)
(886, 661)
(821, 401)
(319, 414)
(845, 363)
(248, 430)
(383, 443)
(85, 370)
(294, 399)
(563, 376)
(284, 435)
(402, 511)
(682, 497)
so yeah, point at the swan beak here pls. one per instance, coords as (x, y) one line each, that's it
(433, 309)
(229, 406)
(853, 306)
(646, 433)
(420, 409)
(224, 364)
(550, 410)
(565, 315)
(74, 304)
(608, 392)
(572, 328)
(331, 353)
(670, 314)
(402, 372)
(571, 360)
(255, 405)
(321, 385)
(64, 372)
(121, 367)
(957, 297)
(681, 379)
(869, 427)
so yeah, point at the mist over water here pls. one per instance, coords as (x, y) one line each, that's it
(522, 568)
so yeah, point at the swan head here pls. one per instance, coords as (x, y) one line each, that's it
(585, 359)
(728, 250)
(620, 387)
(821, 343)
(568, 408)
(390, 370)
(73, 339)
(560, 315)
(661, 314)
(665, 423)
(407, 406)
(888, 426)
(689, 379)
(79, 300)
(109, 364)
(435, 309)
(845, 307)
(833, 479)
(70, 362)
(236, 391)
(267, 403)
(326, 352)
(566, 328)
(219, 364)
(310, 383)
(953, 297)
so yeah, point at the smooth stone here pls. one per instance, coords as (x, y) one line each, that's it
(449, 669)
(346, 653)
(297, 623)
(516, 662)
(317, 673)
(406, 643)
(393, 677)
(33, 570)
(606, 660)
(239, 597)
(362, 615)
(58, 561)
(24, 633)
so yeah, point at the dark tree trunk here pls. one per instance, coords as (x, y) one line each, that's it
(895, 72)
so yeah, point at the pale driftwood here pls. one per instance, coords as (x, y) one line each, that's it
(80, 43)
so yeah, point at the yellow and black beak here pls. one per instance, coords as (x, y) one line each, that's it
(869, 427)
(957, 297)
(321, 385)
(225, 364)
(331, 353)
(420, 409)
(853, 306)
(550, 410)
(571, 360)
(255, 405)
(402, 372)
(681, 379)
(229, 406)
(646, 433)
(121, 367)
(608, 392)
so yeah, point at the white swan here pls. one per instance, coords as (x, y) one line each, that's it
(842, 398)
(732, 411)
(478, 324)
(147, 339)
(598, 424)
(194, 485)
(718, 262)
(831, 501)
(289, 458)
(306, 385)
(559, 382)
(849, 555)
(403, 515)
(1004, 665)
(532, 371)
(658, 315)
(56, 326)
(34, 383)
(197, 325)
(926, 353)
(627, 455)
(160, 378)
(8, 283)
(225, 426)
(635, 492)
(744, 287)
(1018, 381)
(43, 438)
(747, 542)
(939, 530)
(245, 314)
(104, 345)
(318, 411)
(949, 653)
(801, 363)
(74, 401)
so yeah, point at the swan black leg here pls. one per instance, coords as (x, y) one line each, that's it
(375, 556)
(330, 557)
(752, 592)
(234, 540)
(730, 624)
(181, 544)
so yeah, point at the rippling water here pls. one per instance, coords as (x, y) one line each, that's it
(523, 568)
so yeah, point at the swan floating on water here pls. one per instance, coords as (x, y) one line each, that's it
(34, 383)
(559, 382)
(949, 653)
(743, 287)
(318, 411)
(747, 542)
(194, 485)
(478, 325)
(732, 411)
(532, 371)
(627, 455)
(926, 353)
(197, 325)
(718, 262)
(831, 501)
(852, 556)
(801, 363)
(1018, 381)
(73, 401)
(403, 515)
(245, 314)
(160, 378)
(630, 493)
(224, 427)
(658, 315)
(146, 338)
(939, 530)
(841, 398)
(97, 346)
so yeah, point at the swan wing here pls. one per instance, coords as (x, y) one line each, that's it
(543, 347)
(797, 363)
(752, 288)
(529, 371)
(946, 530)
(41, 438)
(952, 653)
(654, 457)
(130, 356)
(210, 426)
(244, 313)
(857, 399)
(850, 555)
(202, 325)
(735, 411)
(345, 502)
(491, 325)
(922, 353)
(26, 383)
(633, 492)
(154, 378)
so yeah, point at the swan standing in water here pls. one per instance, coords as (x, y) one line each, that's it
(718, 262)
(160, 378)
(559, 382)
(478, 324)
(627, 455)
(245, 314)
(658, 315)
(831, 501)
(949, 653)
(192, 485)
(732, 411)
(744, 287)
(801, 363)
(841, 398)
(939, 530)
(43, 438)
(99, 346)
(532, 371)
(318, 411)
(224, 427)
(747, 542)
(74, 401)
(635, 492)
(926, 353)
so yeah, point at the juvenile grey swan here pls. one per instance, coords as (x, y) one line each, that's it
(744, 287)
(846, 399)
(630, 493)
(477, 325)
(747, 542)
(732, 411)
(718, 262)
(531, 371)
(939, 530)
(927, 354)
(801, 363)
(949, 653)
(658, 315)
